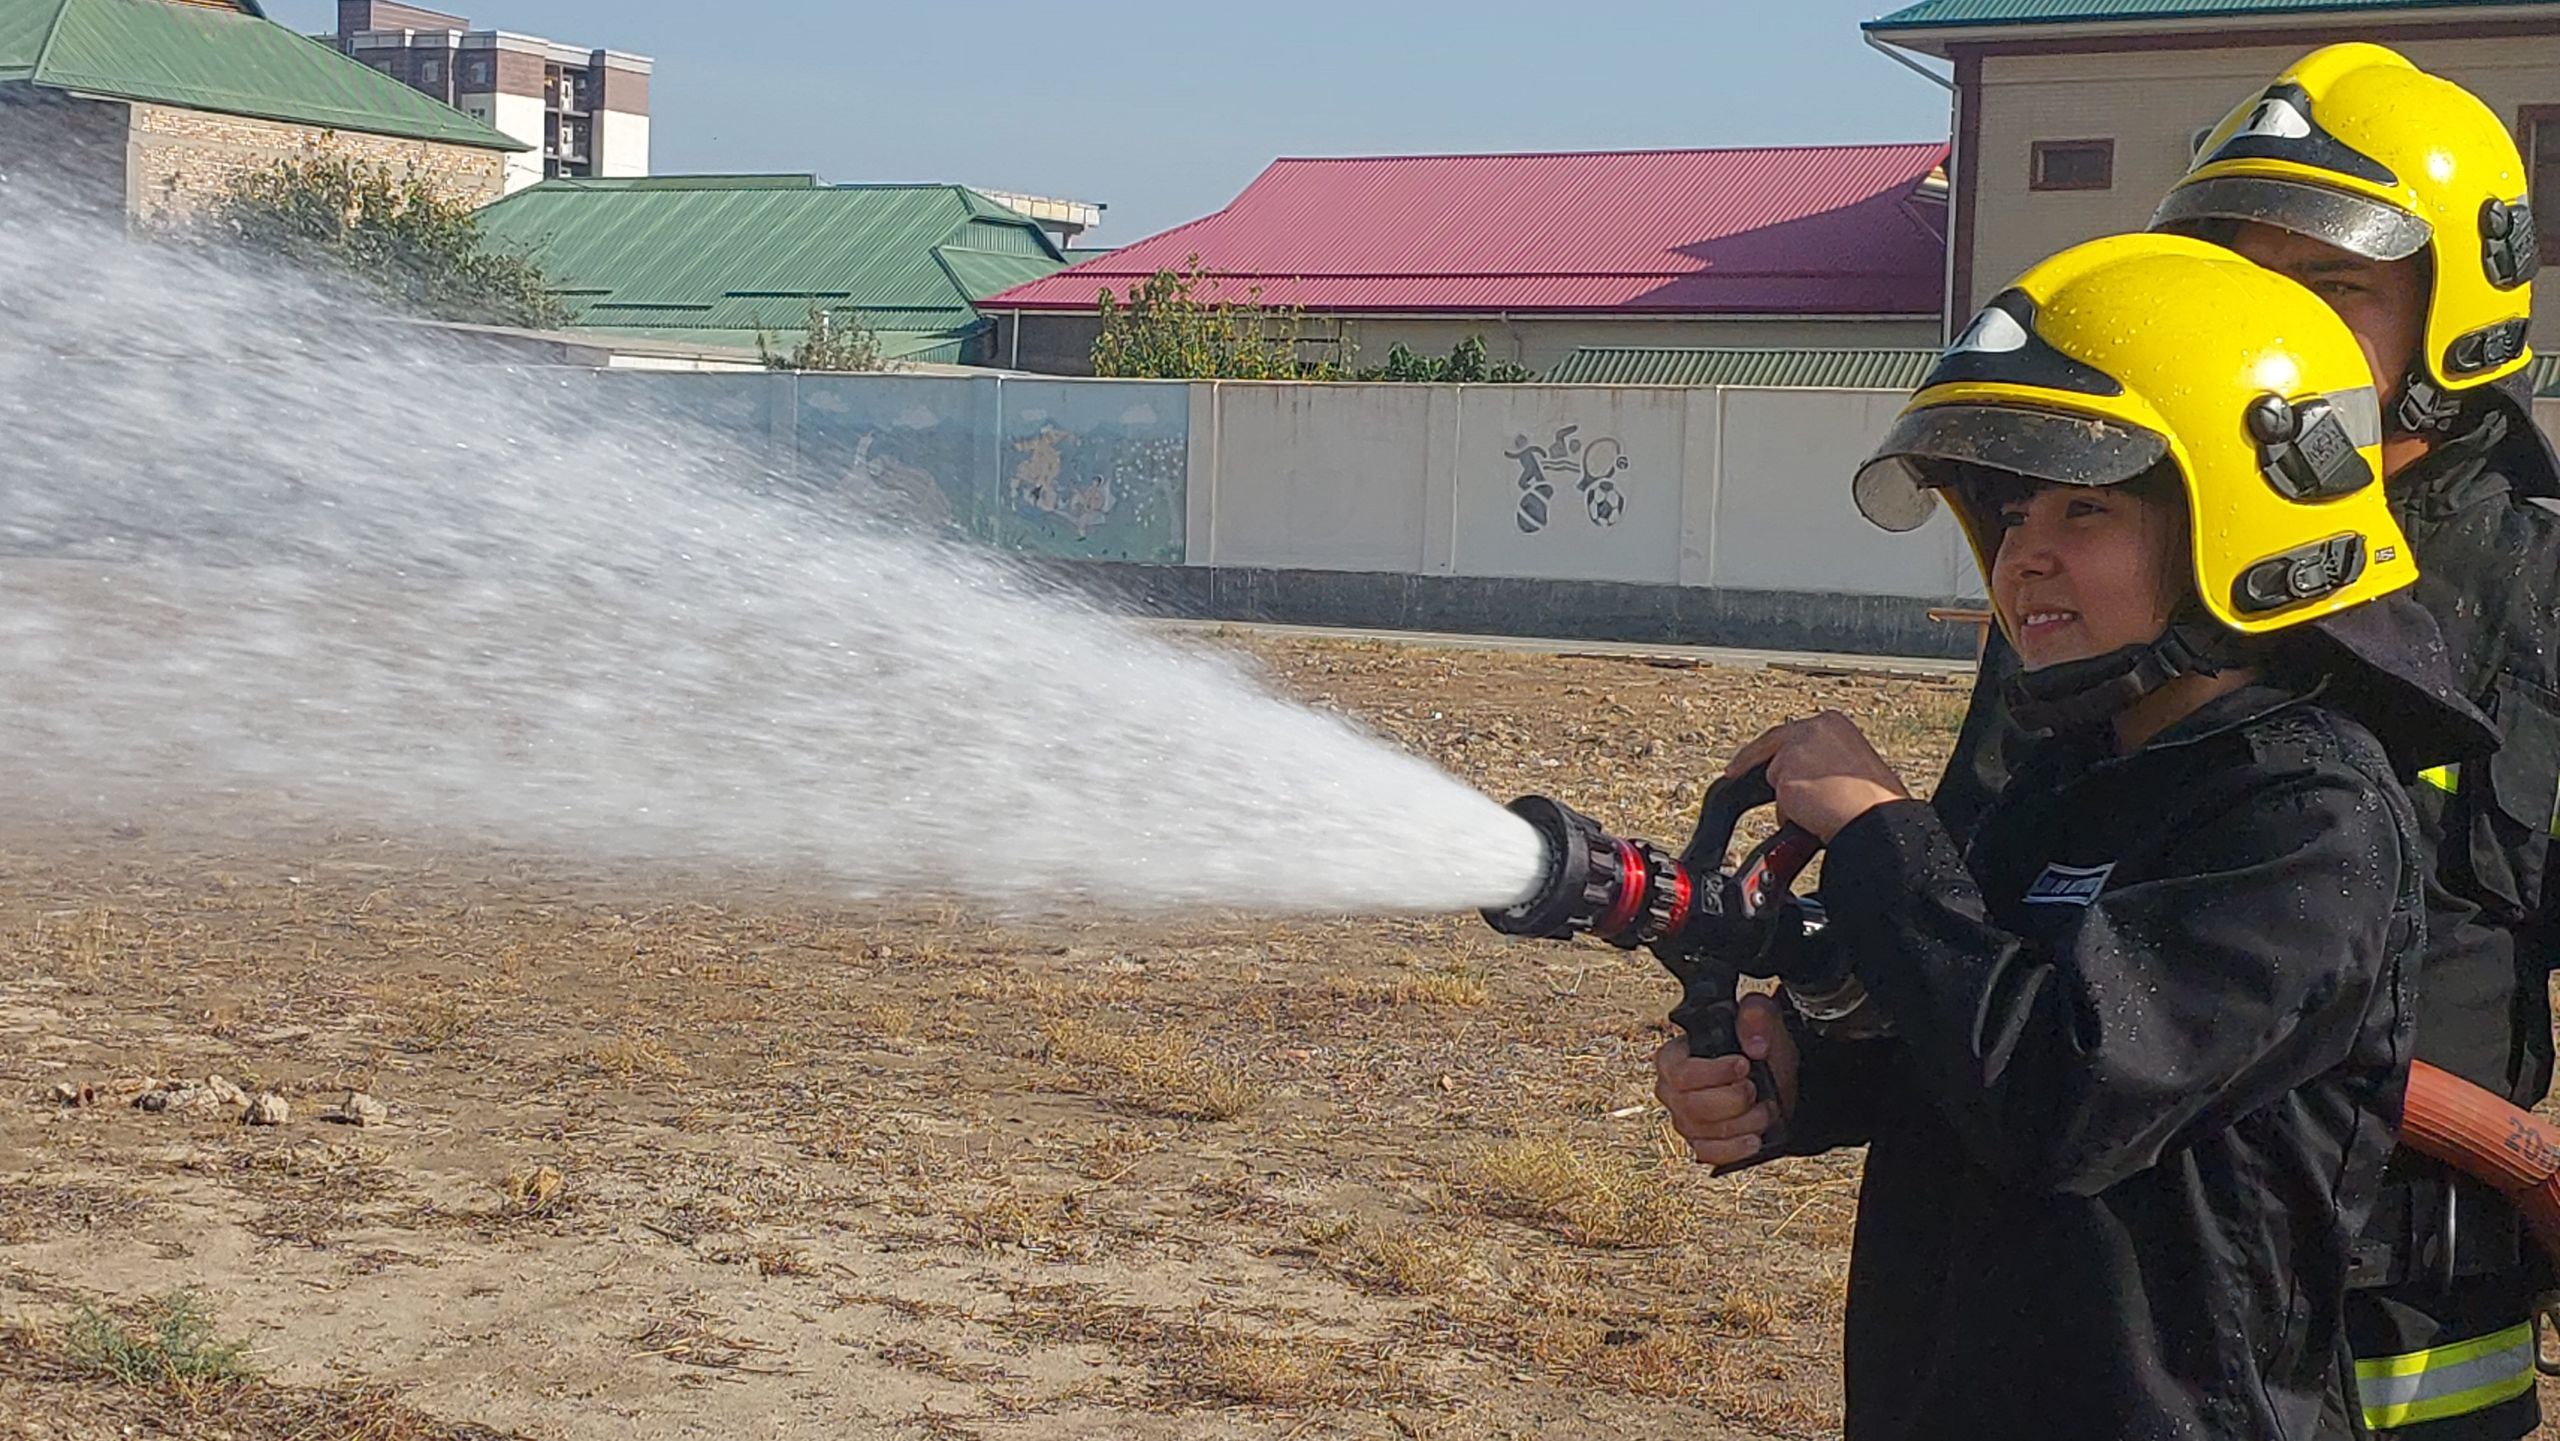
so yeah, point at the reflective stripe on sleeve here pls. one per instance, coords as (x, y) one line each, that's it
(2447, 778)
(2444, 1381)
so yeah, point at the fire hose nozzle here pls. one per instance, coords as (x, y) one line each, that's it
(1708, 927)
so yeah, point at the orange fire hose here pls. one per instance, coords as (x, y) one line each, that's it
(2485, 1137)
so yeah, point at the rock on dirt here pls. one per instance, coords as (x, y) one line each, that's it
(359, 1109)
(224, 1093)
(269, 1109)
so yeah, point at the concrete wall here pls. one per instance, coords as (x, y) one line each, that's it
(1325, 477)
(2151, 103)
(179, 160)
(1653, 513)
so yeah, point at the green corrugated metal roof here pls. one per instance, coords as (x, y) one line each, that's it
(200, 58)
(1950, 14)
(690, 257)
(1824, 369)
(981, 273)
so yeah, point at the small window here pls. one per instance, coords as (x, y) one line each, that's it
(2540, 125)
(430, 72)
(2073, 165)
(475, 72)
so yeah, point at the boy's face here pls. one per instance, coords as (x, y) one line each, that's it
(2383, 301)
(2082, 571)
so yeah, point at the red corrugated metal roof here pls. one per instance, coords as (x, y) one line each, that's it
(1819, 230)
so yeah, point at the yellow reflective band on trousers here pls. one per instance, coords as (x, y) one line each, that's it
(2453, 1380)
(2444, 778)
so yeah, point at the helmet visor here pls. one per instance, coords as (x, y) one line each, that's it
(1927, 447)
(2352, 223)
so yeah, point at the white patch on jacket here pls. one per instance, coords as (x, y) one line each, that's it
(2069, 885)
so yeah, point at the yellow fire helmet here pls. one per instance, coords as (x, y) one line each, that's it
(2355, 147)
(2113, 357)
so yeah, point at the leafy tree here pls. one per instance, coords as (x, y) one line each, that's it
(395, 234)
(828, 344)
(1167, 330)
(1467, 364)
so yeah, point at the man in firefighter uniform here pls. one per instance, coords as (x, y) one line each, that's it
(2400, 199)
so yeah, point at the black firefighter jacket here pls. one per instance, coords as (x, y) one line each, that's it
(2152, 1036)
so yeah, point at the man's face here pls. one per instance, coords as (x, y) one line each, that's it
(2383, 301)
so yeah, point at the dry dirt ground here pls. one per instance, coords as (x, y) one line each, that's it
(662, 1159)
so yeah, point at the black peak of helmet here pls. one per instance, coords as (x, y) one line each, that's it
(2283, 126)
(2001, 346)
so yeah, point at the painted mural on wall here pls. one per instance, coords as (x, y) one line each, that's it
(1093, 470)
(1569, 464)
(906, 450)
(1571, 482)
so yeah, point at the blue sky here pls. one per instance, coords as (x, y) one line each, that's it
(1164, 110)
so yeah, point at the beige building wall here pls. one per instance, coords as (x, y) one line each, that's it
(2151, 103)
(178, 160)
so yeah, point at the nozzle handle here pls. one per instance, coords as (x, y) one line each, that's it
(1772, 867)
(1709, 1014)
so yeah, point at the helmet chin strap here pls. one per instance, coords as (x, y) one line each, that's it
(2081, 693)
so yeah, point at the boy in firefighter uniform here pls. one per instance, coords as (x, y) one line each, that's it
(2150, 1031)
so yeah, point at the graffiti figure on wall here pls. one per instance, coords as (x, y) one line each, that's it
(1593, 467)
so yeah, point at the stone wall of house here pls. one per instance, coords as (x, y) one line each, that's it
(181, 159)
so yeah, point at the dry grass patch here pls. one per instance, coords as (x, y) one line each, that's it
(693, 1337)
(626, 1057)
(888, 1020)
(30, 1209)
(429, 1025)
(1115, 1153)
(535, 1193)
(1460, 987)
(1593, 1198)
(1405, 1260)
(1004, 1217)
(779, 1260)
(1448, 987)
(162, 1369)
(917, 1356)
(1283, 1373)
(1163, 1071)
(1670, 1363)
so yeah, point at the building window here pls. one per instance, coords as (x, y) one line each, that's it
(475, 73)
(2072, 165)
(2538, 126)
(431, 71)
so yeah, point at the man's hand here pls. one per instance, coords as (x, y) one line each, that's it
(1824, 770)
(1711, 1102)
